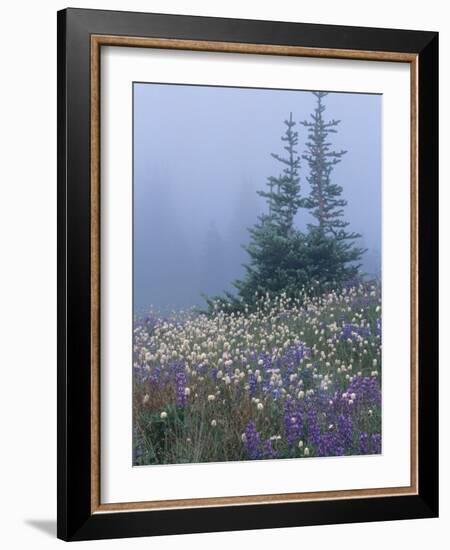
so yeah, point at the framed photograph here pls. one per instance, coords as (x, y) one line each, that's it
(247, 254)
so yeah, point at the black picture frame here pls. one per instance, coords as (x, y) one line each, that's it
(75, 518)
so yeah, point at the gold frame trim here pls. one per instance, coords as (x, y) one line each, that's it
(230, 47)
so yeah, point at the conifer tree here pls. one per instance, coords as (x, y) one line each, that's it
(275, 249)
(325, 200)
(283, 196)
(281, 257)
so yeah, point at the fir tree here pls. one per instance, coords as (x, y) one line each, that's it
(281, 257)
(277, 262)
(276, 248)
(283, 196)
(325, 200)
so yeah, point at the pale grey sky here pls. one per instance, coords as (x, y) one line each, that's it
(200, 154)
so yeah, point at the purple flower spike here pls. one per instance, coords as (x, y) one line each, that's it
(376, 444)
(180, 380)
(363, 443)
(268, 450)
(252, 441)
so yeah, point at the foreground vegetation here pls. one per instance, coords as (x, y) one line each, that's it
(290, 378)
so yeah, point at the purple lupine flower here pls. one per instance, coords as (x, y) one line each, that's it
(378, 327)
(268, 450)
(313, 427)
(348, 330)
(252, 441)
(293, 425)
(330, 444)
(180, 381)
(155, 375)
(363, 443)
(366, 390)
(252, 384)
(361, 302)
(138, 446)
(276, 393)
(345, 430)
(376, 443)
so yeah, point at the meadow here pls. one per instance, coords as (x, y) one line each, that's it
(290, 378)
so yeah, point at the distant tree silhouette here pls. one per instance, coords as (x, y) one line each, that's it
(213, 277)
(163, 274)
(246, 207)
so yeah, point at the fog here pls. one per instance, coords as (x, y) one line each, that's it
(200, 155)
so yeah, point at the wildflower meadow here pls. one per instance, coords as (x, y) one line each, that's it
(294, 378)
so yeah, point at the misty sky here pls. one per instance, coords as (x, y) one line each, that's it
(200, 155)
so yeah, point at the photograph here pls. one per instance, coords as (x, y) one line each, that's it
(247, 233)
(257, 274)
